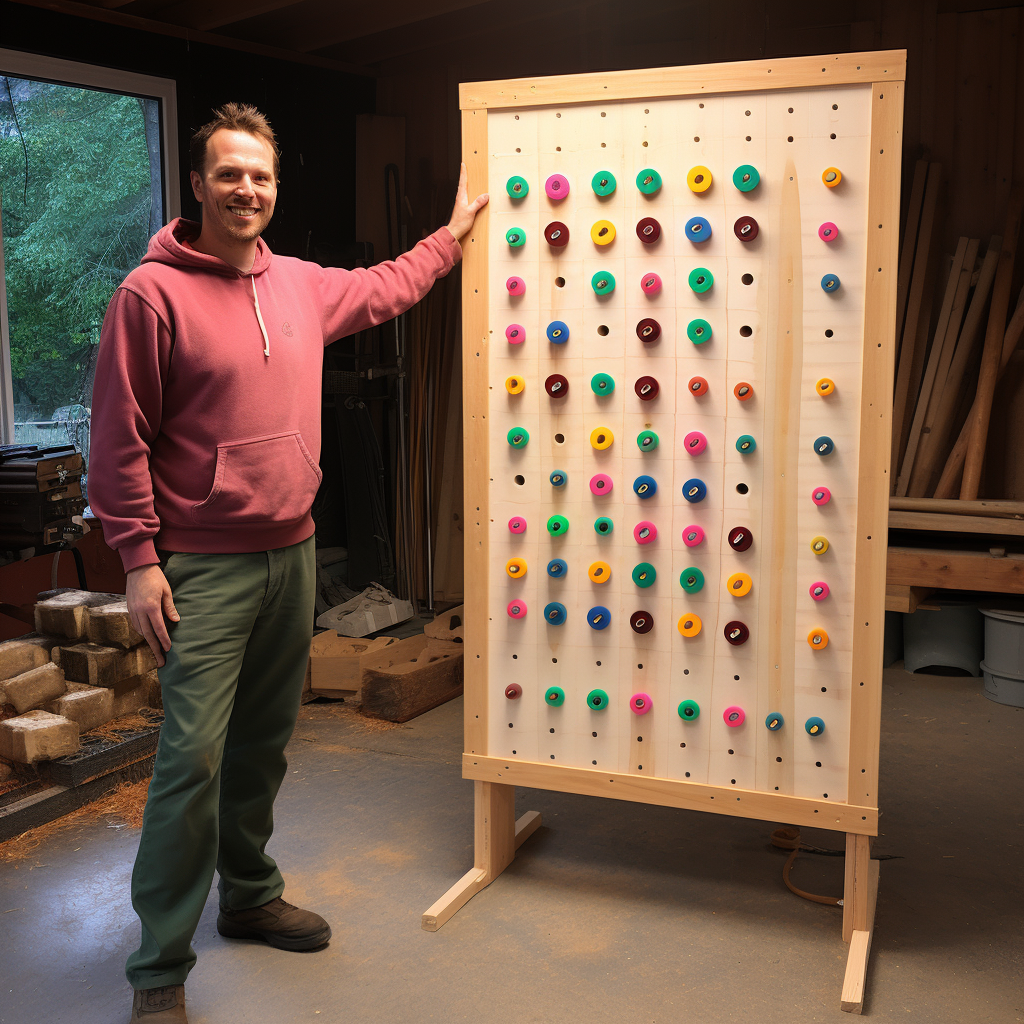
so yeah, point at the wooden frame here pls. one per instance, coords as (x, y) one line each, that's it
(497, 835)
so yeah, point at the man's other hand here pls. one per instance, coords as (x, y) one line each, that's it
(465, 211)
(149, 601)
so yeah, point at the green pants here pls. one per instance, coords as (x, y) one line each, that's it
(231, 691)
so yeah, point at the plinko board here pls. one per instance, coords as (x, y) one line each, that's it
(678, 342)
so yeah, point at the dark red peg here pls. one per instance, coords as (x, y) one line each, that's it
(556, 386)
(736, 633)
(641, 622)
(556, 234)
(648, 230)
(746, 229)
(646, 389)
(513, 691)
(648, 330)
(740, 538)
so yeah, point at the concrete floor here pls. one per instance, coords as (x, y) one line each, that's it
(613, 912)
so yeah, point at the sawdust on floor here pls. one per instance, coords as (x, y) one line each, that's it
(124, 804)
(347, 712)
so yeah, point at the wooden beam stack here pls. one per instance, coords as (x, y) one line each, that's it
(947, 371)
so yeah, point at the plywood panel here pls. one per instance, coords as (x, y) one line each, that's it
(773, 329)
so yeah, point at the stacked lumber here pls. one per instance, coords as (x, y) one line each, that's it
(83, 667)
(40, 494)
(948, 366)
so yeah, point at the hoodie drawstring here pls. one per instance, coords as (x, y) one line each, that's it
(259, 317)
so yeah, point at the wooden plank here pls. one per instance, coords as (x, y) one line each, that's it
(903, 395)
(934, 358)
(412, 677)
(955, 570)
(916, 477)
(991, 363)
(953, 506)
(947, 482)
(855, 980)
(793, 72)
(692, 796)
(900, 598)
(875, 424)
(497, 836)
(909, 246)
(942, 425)
(476, 454)
(955, 523)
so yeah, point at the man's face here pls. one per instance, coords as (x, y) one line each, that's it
(237, 188)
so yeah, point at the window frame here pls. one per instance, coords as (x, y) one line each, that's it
(21, 64)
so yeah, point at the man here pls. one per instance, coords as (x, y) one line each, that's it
(205, 448)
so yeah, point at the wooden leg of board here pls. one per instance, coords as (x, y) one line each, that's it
(497, 837)
(859, 897)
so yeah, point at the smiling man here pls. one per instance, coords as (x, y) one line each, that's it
(205, 450)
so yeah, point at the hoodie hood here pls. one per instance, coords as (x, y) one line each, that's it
(166, 247)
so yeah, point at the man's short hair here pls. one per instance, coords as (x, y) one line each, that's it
(236, 117)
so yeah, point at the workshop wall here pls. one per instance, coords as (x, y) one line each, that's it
(964, 94)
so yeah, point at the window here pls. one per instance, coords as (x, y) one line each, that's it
(88, 172)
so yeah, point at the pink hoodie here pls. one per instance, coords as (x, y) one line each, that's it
(206, 406)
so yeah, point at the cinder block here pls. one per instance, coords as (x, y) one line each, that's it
(24, 653)
(34, 688)
(90, 707)
(37, 736)
(132, 694)
(66, 614)
(109, 625)
(105, 666)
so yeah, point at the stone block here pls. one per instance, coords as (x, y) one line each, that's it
(132, 694)
(37, 736)
(34, 688)
(156, 695)
(66, 614)
(90, 707)
(24, 653)
(109, 625)
(105, 666)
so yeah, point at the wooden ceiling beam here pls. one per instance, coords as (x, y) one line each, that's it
(83, 10)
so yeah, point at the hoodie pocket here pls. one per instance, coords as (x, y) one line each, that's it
(269, 479)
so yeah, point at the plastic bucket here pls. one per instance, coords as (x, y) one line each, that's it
(1003, 666)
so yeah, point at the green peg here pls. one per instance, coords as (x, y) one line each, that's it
(644, 574)
(701, 280)
(647, 440)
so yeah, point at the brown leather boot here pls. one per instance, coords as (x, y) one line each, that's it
(278, 923)
(164, 1005)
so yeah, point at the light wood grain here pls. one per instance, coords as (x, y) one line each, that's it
(955, 570)
(841, 817)
(873, 480)
(955, 523)
(953, 506)
(693, 80)
(475, 343)
(900, 598)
